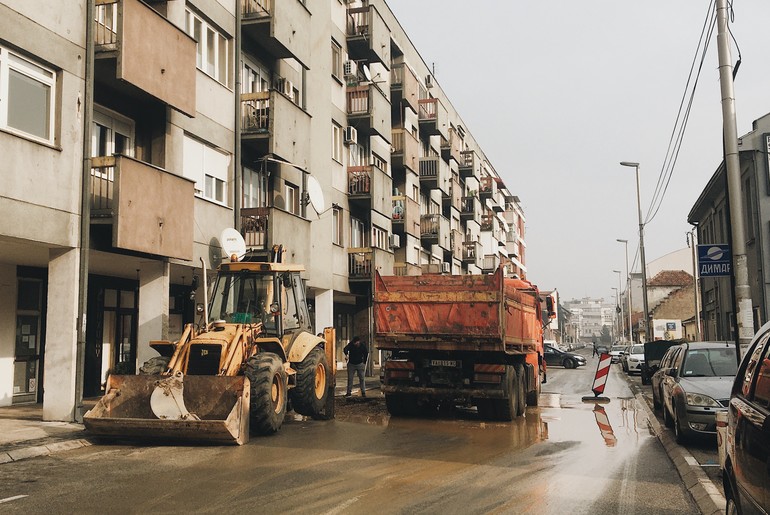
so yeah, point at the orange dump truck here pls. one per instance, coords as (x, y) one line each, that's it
(472, 339)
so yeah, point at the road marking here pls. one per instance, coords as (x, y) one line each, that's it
(342, 506)
(9, 499)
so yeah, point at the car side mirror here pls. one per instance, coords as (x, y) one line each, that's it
(672, 372)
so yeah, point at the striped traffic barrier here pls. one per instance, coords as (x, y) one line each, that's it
(600, 379)
(605, 429)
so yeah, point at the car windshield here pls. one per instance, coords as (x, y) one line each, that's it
(710, 362)
(617, 348)
(637, 349)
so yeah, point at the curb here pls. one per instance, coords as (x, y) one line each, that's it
(35, 451)
(702, 490)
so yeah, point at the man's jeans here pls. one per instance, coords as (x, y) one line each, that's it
(360, 369)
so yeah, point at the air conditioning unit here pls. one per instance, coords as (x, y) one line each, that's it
(428, 81)
(351, 135)
(446, 268)
(288, 88)
(394, 240)
(350, 70)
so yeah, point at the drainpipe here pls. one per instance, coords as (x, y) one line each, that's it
(85, 212)
(237, 165)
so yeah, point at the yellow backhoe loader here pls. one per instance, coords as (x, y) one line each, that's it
(252, 358)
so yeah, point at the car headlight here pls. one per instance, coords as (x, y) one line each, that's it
(697, 399)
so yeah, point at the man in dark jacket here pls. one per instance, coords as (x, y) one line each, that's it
(356, 354)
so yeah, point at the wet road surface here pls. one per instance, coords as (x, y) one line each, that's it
(565, 456)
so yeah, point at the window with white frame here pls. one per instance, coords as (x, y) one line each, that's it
(336, 142)
(358, 233)
(27, 96)
(254, 188)
(213, 50)
(379, 237)
(292, 198)
(208, 167)
(336, 60)
(337, 230)
(254, 77)
(111, 134)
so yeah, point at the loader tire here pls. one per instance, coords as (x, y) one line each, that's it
(268, 392)
(156, 365)
(309, 395)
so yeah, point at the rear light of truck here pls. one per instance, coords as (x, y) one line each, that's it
(399, 365)
(487, 378)
(399, 374)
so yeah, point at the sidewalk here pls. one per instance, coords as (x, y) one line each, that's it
(24, 434)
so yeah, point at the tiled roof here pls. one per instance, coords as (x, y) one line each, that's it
(671, 278)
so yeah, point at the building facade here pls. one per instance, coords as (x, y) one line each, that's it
(133, 132)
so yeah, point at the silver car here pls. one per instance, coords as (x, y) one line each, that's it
(693, 384)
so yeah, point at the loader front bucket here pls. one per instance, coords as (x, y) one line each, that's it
(216, 407)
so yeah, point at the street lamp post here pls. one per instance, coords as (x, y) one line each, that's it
(628, 292)
(620, 305)
(616, 320)
(646, 313)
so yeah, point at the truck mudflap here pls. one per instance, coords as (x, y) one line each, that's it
(445, 393)
(190, 408)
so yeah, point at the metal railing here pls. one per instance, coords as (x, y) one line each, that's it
(256, 8)
(358, 100)
(360, 263)
(359, 180)
(358, 21)
(255, 111)
(397, 75)
(254, 227)
(106, 23)
(427, 108)
(102, 185)
(429, 168)
(430, 225)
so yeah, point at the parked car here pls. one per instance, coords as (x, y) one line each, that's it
(746, 472)
(653, 353)
(632, 359)
(554, 356)
(692, 384)
(615, 352)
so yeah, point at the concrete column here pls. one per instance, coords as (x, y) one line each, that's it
(61, 335)
(324, 311)
(154, 282)
(8, 286)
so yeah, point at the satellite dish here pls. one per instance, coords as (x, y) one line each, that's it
(232, 243)
(315, 193)
(367, 73)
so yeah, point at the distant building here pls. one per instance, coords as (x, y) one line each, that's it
(589, 316)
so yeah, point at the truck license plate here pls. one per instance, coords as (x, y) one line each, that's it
(443, 363)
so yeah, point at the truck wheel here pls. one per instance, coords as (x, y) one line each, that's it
(268, 392)
(308, 397)
(156, 365)
(521, 390)
(507, 408)
(533, 396)
(401, 405)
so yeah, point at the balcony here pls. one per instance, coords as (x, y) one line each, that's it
(487, 187)
(491, 263)
(370, 188)
(470, 165)
(139, 53)
(404, 86)
(368, 110)
(272, 123)
(452, 147)
(406, 150)
(434, 229)
(456, 242)
(472, 253)
(406, 215)
(367, 34)
(263, 227)
(279, 27)
(434, 174)
(402, 269)
(470, 208)
(488, 221)
(453, 198)
(362, 262)
(433, 118)
(150, 210)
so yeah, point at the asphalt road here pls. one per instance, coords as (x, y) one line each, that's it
(564, 456)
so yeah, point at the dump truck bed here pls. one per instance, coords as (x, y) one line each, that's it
(456, 313)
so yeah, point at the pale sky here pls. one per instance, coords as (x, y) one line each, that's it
(558, 92)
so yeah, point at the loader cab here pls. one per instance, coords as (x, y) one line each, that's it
(251, 293)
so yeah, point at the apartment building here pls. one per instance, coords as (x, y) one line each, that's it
(312, 125)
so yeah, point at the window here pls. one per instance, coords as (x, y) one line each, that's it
(213, 48)
(357, 233)
(762, 388)
(292, 199)
(337, 226)
(336, 142)
(111, 134)
(208, 167)
(336, 60)
(379, 163)
(254, 188)
(254, 78)
(27, 93)
(379, 237)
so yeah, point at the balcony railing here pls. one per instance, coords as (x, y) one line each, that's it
(255, 112)
(402, 269)
(397, 76)
(428, 109)
(487, 222)
(491, 262)
(487, 187)
(406, 148)
(468, 165)
(254, 227)
(106, 24)
(358, 21)
(102, 186)
(256, 8)
(359, 180)
(456, 241)
(358, 100)
(472, 252)
(360, 263)
(470, 207)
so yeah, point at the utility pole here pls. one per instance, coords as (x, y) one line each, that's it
(693, 247)
(744, 307)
